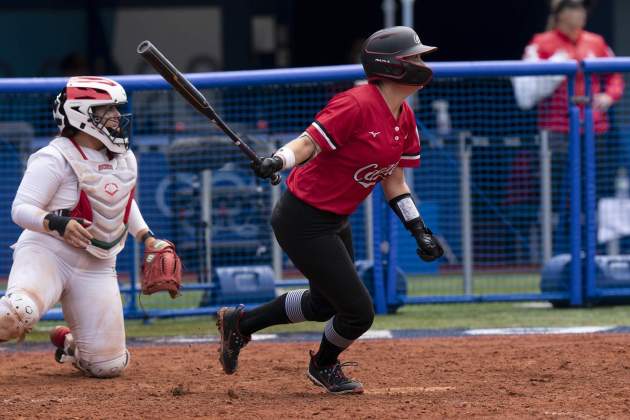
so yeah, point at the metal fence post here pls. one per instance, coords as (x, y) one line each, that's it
(545, 193)
(576, 196)
(466, 212)
(590, 174)
(206, 217)
(379, 244)
(276, 251)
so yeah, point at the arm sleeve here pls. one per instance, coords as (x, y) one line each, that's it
(136, 221)
(41, 181)
(334, 125)
(410, 157)
(529, 90)
(613, 82)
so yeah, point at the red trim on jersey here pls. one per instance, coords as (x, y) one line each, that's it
(86, 93)
(83, 208)
(128, 208)
(79, 149)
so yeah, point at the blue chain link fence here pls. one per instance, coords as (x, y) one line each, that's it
(490, 185)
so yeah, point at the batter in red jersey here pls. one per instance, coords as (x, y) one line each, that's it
(364, 136)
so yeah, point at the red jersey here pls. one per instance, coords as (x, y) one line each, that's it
(552, 111)
(361, 143)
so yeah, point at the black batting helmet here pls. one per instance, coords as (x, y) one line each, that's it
(385, 56)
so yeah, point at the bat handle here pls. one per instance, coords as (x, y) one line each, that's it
(275, 179)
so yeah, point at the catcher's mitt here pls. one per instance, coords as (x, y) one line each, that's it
(161, 269)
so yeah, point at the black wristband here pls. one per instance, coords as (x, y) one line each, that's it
(57, 223)
(148, 234)
(407, 212)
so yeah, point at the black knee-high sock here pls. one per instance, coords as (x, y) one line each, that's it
(271, 313)
(328, 353)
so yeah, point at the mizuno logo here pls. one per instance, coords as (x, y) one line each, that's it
(374, 133)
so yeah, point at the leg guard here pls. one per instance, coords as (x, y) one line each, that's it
(106, 369)
(18, 315)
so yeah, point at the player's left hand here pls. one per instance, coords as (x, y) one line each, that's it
(429, 248)
(267, 166)
(161, 269)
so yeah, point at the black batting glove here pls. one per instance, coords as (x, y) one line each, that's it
(429, 248)
(266, 167)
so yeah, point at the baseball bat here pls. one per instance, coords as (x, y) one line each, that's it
(175, 78)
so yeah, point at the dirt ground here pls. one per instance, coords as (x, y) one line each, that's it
(569, 376)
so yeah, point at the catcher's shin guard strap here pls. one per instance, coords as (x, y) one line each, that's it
(334, 337)
(293, 305)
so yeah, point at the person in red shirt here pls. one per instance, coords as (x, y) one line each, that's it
(364, 136)
(566, 39)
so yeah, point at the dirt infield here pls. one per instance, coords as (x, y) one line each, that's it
(568, 376)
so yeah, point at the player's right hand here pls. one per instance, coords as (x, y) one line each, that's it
(71, 229)
(76, 233)
(267, 166)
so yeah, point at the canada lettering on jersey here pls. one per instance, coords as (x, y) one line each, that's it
(371, 174)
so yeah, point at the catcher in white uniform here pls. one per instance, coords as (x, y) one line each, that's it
(76, 205)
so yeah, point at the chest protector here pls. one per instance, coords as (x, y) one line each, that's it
(106, 191)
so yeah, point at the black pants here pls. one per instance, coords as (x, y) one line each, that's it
(320, 245)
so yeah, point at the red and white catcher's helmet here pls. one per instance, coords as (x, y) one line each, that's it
(74, 107)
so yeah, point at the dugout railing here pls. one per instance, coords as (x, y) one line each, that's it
(483, 186)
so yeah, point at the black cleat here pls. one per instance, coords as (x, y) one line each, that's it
(232, 341)
(332, 378)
